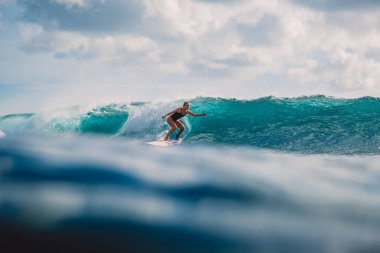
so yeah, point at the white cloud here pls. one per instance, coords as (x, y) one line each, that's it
(76, 45)
(72, 3)
(214, 46)
(185, 17)
(340, 5)
(245, 39)
(350, 70)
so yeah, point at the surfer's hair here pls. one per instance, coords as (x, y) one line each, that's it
(185, 103)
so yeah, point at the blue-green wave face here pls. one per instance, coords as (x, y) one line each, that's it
(316, 124)
(308, 124)
(105, 120)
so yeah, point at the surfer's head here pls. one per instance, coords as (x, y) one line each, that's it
(186, 105)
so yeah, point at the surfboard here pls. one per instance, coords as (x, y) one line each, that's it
(161, 143)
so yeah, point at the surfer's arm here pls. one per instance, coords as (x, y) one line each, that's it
(170, 113)
(196, 114)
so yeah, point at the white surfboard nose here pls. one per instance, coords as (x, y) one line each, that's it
(162, 143)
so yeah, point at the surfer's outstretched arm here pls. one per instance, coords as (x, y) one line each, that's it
(170, 113)
(196, 114)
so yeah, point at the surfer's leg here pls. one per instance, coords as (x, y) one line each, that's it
(181, 128)
(172, 125)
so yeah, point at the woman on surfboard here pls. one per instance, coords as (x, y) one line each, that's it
(175, 116)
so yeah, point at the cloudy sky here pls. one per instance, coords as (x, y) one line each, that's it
(62, 52)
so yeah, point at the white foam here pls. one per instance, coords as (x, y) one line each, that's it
(146, 119)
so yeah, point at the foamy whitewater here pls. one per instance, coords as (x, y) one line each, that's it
(264, 175)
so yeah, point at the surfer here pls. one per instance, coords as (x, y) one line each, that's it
(175, 116)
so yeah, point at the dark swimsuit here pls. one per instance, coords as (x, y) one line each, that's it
(177, 115)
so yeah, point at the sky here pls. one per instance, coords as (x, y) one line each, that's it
(66, 52)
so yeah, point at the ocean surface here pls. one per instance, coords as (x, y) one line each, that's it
(264, 175)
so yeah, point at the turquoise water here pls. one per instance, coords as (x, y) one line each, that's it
(287, 175)
(315, 124)
(92, 194)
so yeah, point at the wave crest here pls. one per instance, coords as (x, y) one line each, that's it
(315, 124)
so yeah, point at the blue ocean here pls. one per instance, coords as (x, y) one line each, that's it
(262, 175)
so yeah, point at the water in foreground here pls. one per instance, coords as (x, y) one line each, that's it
(91, 194)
